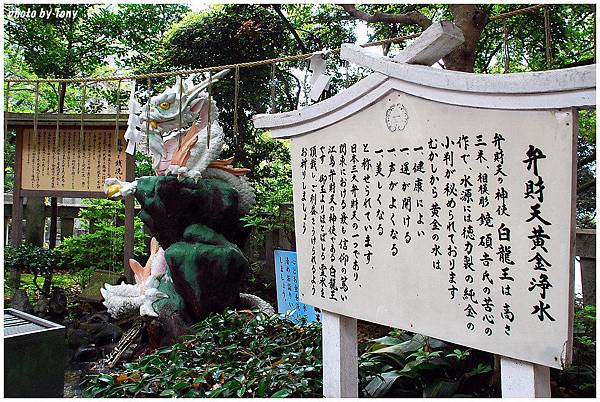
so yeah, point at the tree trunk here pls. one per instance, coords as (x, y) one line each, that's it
(53, 201)
(471, 20)
(35, 221)
(61, 97)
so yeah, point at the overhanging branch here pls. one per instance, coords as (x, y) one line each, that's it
(410, 18)
(290, 27)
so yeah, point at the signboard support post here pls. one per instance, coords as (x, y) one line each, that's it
(129, 215)
(17, 206)
(53, 222)
(522, 379)
(340, 356)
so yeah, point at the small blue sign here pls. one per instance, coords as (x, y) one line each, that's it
(288, 294)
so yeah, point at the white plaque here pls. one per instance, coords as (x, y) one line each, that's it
(449, 221)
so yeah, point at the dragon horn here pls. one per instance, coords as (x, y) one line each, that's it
(204, 84)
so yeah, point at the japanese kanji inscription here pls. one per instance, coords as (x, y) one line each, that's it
(445, 220)
(71, 164)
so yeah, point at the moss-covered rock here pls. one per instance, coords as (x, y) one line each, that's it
(169, 206)
(197, 224)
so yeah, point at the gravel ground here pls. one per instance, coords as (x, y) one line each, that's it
(72, 388)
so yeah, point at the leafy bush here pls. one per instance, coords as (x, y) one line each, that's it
(234, 354)
(38, 261)
(143, 165)
(33, 259)
(71, 283)
(412, 365)
(271, 192)
(103, 247)
(579, 380)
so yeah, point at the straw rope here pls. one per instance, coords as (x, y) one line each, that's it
(208, 120)
(148, 116)
(236, 92)
(82, 112)
(118, 115)
(36, 110)
(199, 70)
(506, 48)
(273, 88)
(58, 114)
(246, 64)
(516, 12)
(548, 35)
(6, 105)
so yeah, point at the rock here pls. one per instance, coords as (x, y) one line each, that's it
(107, 334)
(94, 323)
(107, 349)
(76, 338)
(57, 305)
(41, 306)
(20, 301)
(87, 354)
(167, 328)
(99, 330)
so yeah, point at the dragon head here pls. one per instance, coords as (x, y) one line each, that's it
(162, 115)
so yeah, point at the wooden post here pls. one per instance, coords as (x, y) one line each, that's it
(586, 250)
(17, 206)
(66, 227)
(129, 215)
(340, 356)
(53, 222)
(523, 379)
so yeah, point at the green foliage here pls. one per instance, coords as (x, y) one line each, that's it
(9, 160)
(274, 190)
(38, 261)
(232, 354)
(80, 44)
(103, 247)
(143, 165)
(412, 365)
(72, 283)
(579, 380)
(572, 32)
(32, 259)
(586, 169)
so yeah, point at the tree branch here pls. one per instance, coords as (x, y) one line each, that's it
(409, 18)
(491, 56)
(290, 27)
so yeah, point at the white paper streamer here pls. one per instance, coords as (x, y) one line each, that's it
(319, 80)
(133, 135)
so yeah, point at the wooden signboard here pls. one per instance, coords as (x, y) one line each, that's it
(75, 164)
(440, 203)
(442, 220)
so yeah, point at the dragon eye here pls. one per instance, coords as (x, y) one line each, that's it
(164, 105)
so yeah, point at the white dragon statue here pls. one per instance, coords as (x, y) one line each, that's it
(191, 151)
(188, 152)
